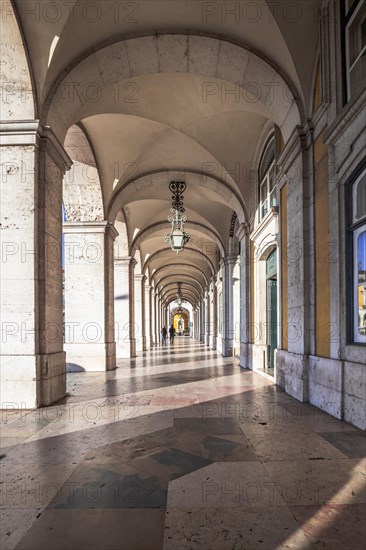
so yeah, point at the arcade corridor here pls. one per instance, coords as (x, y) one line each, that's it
(180, 449)
(199, 166)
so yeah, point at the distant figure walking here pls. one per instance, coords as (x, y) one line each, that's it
(172, 334)
(164, 332)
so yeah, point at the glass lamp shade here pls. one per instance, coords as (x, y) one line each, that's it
(177, 240)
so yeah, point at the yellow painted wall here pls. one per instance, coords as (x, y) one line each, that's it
(284, 271)
(252, 297)
(360, 296)
(322, 249)
(178, 316)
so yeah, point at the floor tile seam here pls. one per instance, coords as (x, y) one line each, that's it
(38, 508)
(157, 364)
(301, 530)
(123, 438)
(186, 365)
(141, 368)
(163, 408)
(161, 389)
(129, 464)
(109, 421)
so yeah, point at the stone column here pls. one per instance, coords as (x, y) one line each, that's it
(33, 360)
(165, 317)
(148, 316)
(207, 317)
(143, 313)
(197, 324)
(228, 314)
(159, 317)
(145, 308)
(121, 309)
(139, 295)
(156, 319)
(162, 318)
(151, 316)
(89, 295)
(131, 293)
(292, 365)
(202, 320)
(245, 320)
(214, 314)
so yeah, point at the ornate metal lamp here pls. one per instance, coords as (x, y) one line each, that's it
(177, 238)
(179, 299)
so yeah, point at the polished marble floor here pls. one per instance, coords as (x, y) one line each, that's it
(180, 449)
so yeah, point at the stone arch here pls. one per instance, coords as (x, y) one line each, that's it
(193, 251)
(184, 309)
(163, 225)
(265, 250)
(165, 287)
(18, 95)
(176, 264)
(182, 278)
(179, 53)
(125, 191)
(138, 267)
(121, 245)
(82, 195)
(168, 299)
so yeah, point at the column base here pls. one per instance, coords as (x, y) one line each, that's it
(325, 384)
(227, 347)
(246, 356)
(133, 353)
(354, 399)
(31, 381)
(292, 373)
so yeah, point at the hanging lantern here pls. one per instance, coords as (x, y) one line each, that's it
(177, 237)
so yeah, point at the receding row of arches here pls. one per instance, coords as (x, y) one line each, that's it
(94, 130)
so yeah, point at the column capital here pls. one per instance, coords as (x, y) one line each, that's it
(230, 260)
(126, 260)
(111, 231)
(89, 227)
(243, 231)
(31, 132)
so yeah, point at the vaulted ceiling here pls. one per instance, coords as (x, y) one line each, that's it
(160, 90)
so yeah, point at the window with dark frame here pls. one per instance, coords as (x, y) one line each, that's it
(267, 180)
(357, 242)
(353, 23)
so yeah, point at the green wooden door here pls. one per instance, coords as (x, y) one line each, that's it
(271, 273)
(271, 319)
